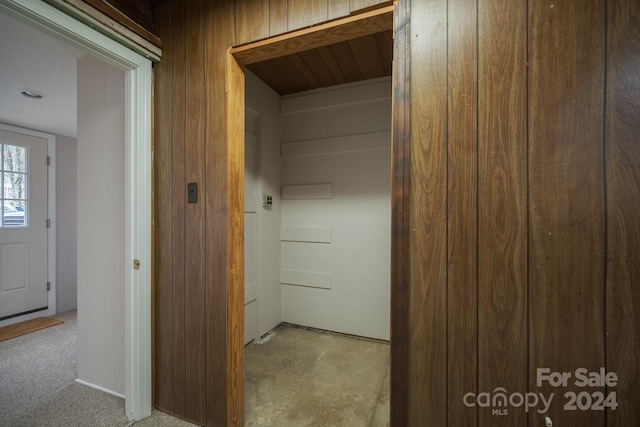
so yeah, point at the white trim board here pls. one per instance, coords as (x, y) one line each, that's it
(51, 231)
(138, 185)
(97, 387)
(337, 144)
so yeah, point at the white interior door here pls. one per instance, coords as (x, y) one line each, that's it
(250, 239)
(23, 225)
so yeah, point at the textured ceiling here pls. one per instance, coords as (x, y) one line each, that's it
(32, 60)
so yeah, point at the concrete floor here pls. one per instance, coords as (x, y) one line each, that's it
(301, 377)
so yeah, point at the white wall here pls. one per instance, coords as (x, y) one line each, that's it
(336, 212)
(264, 121)
(66, 253)
(100, 224)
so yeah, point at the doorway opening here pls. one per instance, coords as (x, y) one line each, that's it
(137, 194)
(265, 55)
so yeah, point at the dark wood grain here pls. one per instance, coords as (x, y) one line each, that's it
(462, 199)
(179, 197)
(348, 66)
(370, 66)
(305, 71)
(623, 209)
(195, 321)
(140, 11)
(134, 15)
(566, 180)
(316, 65)
(252, 20)
(163, 253)
(332, 64)
(289, 73)
(384, 41)
(269, 76)
(400, 231)
(427, 298)
(502, 204)
(302, 13)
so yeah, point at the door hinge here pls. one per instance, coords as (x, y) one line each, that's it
(48, 223)
(48, 160)
(48, 286)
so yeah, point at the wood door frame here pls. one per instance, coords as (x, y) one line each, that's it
(138, 184)
(321, 35)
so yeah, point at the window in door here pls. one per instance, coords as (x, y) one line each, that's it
(14, 177)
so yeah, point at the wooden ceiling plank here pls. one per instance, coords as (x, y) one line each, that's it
(264, 72)
(318, 67)
(331, 32)
(294, 81)
(385, 47)
(331, 64)
(304, 71)
(344, 57)
(365, 52)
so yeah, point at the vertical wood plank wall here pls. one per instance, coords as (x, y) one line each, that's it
(523, 212)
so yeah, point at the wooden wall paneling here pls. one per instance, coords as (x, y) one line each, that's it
(502, 204)
(338, 8)
(321, 35)
(135, 16)
(427, 305)
(400, 231)
(179, 217)
(138, 10)
(163, 226)
(623, 209)
(566, 196)
(302, 13)
(252, 20)
(235, 247)
(278, 17)
(195, 321)
(356, 5)
(462, 302)
(219, 35)
(370, 65)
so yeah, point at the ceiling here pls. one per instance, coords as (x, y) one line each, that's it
(358, 59)
(34, 61)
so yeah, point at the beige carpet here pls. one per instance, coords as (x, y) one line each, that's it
(26, 327)
(38, 388)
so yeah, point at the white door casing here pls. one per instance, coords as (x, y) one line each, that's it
(250, 239)
(23, 239)
(138, 185)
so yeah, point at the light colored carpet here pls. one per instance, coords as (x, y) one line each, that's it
(38, 388)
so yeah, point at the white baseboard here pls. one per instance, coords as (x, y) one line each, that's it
(97, 387)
